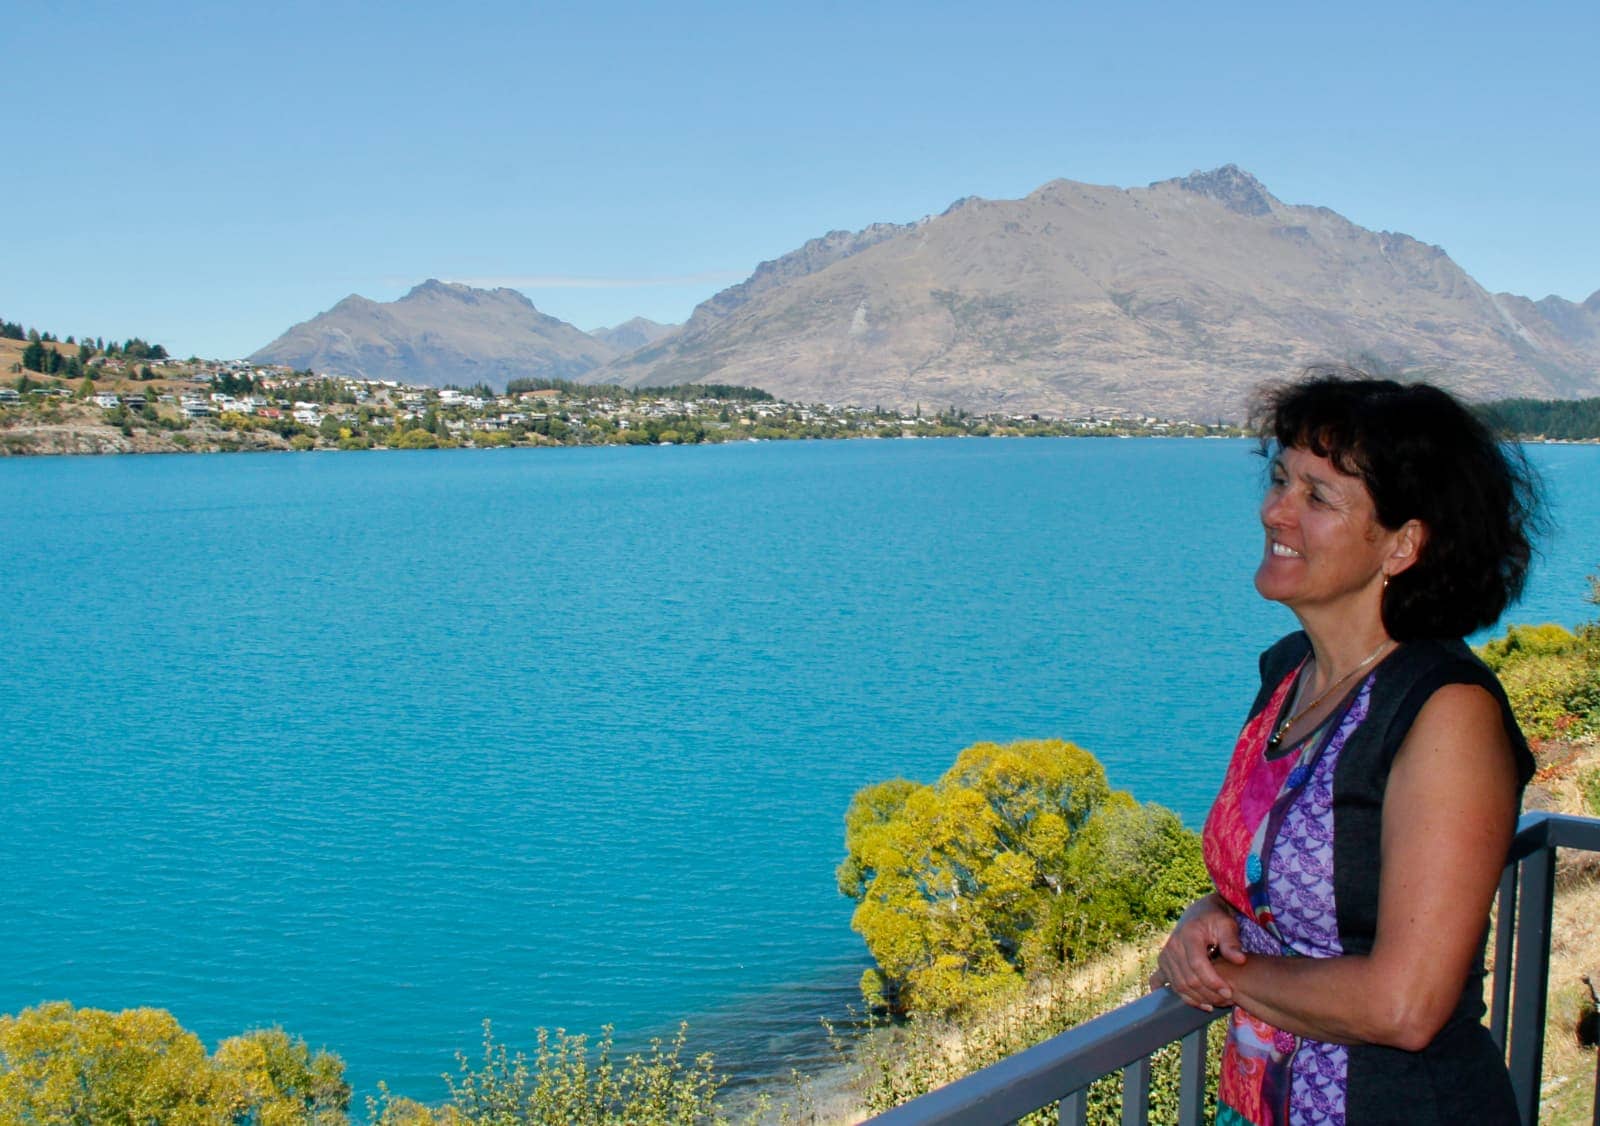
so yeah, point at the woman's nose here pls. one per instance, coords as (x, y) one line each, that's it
(1276, 508)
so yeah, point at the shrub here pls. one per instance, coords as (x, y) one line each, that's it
(1589, 787)
(1551, 677)
(1523, 642)
(417, 439)
(569, 1082)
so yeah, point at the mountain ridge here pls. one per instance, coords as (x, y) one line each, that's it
(1176, 298)
(440, 332)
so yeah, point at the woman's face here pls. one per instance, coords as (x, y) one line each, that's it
(1324, 546)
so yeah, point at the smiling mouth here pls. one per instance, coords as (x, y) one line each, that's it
(1284, 551)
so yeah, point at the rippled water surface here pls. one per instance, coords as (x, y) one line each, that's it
(377, 747)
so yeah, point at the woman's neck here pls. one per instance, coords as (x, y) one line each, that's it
(1340, 652)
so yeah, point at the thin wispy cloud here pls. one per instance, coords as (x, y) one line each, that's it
(568, 281)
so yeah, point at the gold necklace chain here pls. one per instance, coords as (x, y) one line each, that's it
(1283, 728)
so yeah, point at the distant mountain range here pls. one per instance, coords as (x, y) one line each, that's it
(1174, 299)
(443, 332)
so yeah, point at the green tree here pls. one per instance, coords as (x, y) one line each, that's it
(64, 1065)
(59, 1064)
(416, 440)
(280, 1079)
(1018, 858)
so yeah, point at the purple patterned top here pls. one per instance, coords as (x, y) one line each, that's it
(1291, 889)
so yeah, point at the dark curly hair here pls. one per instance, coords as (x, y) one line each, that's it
(1423, 456)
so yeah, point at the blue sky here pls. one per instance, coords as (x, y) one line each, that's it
(205, 175)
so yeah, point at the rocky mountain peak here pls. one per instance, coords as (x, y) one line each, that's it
(1230, 186)
(631, 335)
(434, 289)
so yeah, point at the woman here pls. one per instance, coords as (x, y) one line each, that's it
(1365, 817)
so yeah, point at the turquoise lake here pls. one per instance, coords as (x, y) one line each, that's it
(376, 747)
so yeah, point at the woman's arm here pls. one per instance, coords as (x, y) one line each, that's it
(1448, 817)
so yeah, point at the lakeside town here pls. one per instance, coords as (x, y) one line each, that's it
(157, 404)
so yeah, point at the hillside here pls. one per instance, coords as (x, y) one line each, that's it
(1176, 299)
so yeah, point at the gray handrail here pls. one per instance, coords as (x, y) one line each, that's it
(1040, 1075)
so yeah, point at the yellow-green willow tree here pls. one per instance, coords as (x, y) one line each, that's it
(60, 1064)
(1021, 857)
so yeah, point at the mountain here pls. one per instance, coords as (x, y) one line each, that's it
(1177, 299)
(630, 335)
(439, 333)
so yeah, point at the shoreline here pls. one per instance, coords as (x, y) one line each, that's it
(105, 440)
(109, 441)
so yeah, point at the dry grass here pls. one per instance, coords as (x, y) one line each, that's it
(10, 353)
(1568, 1090)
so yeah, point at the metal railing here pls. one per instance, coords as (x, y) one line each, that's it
(1060, 1069)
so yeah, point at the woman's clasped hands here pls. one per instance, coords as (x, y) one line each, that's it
(1204, 933)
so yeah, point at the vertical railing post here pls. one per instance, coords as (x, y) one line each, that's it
(1597, 1086)
(1500, 986)
(1136, 1092)
(1535, 899)
(1192, 1079)
(1074, 1109)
